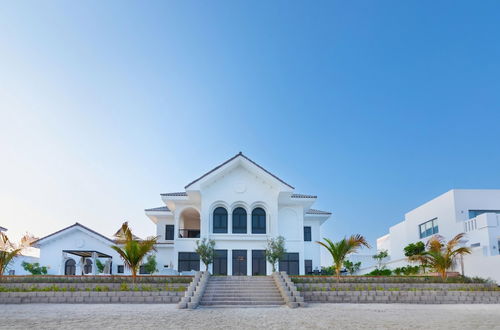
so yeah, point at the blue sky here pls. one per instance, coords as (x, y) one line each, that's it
(375, 106)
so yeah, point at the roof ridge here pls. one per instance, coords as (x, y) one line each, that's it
(76, 224)
(231, 159)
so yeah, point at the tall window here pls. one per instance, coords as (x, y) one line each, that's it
(87, 268)
(258, 221)
(429, 228)
(307, 234)
(308, 267)
(70, 267)
(220, 220)
(169, 232)
(239, 221)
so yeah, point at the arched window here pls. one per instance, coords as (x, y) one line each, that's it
(70, 267)
(220, 220)
(258, 221)
(87, 268)
(239, 221)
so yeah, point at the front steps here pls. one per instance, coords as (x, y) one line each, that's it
(241, 291)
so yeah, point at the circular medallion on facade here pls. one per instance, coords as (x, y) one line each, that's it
(79, 243)
(240, 187)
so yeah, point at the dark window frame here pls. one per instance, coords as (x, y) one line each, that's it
(307, 234)
(430, 227)
(187, 260)
(219, 220)
(169, 232)
(259, 219)
(239, 220)
(308, 267)
(120, 269)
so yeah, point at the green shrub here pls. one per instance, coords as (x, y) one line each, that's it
(380, 272)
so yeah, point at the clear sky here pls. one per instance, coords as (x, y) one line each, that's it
(375, 106)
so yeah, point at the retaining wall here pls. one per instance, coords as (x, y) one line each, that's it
(404, 297)
(85, 297)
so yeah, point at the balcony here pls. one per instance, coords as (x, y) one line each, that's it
(189, 233)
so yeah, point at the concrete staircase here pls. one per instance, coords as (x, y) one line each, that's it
(241, 291)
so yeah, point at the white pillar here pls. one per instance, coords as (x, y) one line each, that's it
(94, 265)
(63, 263)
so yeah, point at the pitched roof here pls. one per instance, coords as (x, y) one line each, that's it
(69, 227)
(303, 196)
(240, 154)
(314, 211)
(158, 209)
(174, 194)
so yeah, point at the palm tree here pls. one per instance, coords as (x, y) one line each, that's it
(441, 256)
(131, 249)
(9, 251)
(341, 249)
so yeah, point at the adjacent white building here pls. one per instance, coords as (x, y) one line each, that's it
(474, 212)
(29, 255)
(239, 204)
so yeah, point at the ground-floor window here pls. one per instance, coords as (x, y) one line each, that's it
(290, 264)
(258, 262)
(308, 267)
(120, 269)
(189, 261)
(142, 270)
(87, 268)
(70, 267)
(240, 262)
(220, 262)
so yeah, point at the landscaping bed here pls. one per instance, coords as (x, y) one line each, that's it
(92, 289)
(416, 290)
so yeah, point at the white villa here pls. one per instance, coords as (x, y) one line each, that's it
(239, 204)
(474, 212)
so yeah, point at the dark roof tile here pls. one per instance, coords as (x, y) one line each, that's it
(158, 209)
(313, 211)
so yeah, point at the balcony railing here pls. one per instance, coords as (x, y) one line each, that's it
(189, 233)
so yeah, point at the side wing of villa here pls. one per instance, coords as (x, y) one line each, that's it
(473, 212)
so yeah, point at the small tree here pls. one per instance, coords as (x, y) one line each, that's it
(441, 255)
(341, 249)
(99, 265)
(379, 257)
(352, 267)
(414, 252)
(150, 264)
(34, 268)
(275, 250)
(9, 250)
(131, 249)
(206, 250)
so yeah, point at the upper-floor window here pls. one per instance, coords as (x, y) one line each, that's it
(169, 232)
(258, 221)
(220, 220)
(307, 234)
(429, 228)
(475, 213)
(239, 221)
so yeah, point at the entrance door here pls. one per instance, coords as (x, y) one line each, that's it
(258, 262)
(240, 262)
(290, 264)
(220, 262)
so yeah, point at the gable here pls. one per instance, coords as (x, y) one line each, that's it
(71, 232)
(233, 163)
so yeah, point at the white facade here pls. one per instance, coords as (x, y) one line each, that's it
(69, 250)
(236, 185)
(474, 212)
(258, 204)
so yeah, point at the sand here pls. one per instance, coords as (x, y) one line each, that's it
(315, 316)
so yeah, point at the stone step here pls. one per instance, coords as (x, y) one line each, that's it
(241, 299)
(249, 303)
(274, 296)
